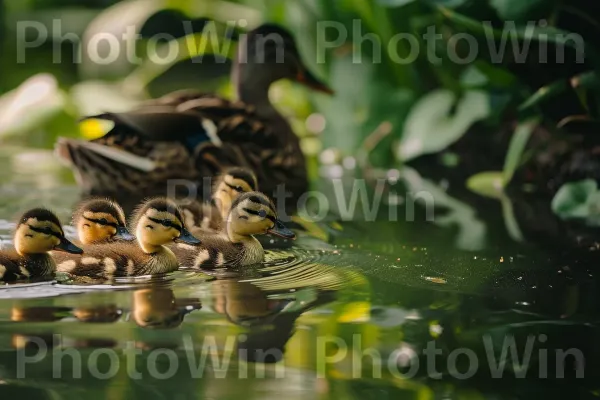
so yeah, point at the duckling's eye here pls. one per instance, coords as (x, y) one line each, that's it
(239, 189)
(103, 221)
(262, 213)
(167, 223)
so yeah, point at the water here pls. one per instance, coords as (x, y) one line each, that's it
(296, 325)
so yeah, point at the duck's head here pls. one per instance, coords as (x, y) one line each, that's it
(100, 220)
(269, 53)
(39, 231)
(230, 185)
(253, 213)
(159, 222)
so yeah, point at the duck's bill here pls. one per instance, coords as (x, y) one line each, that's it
(187, 237)
(279, 229)
(123, 234)
(68, 247)
(308, 79)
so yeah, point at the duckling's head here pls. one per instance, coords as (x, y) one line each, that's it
(159, 222)
(253, 213)
(39, 231)
(100, 220)
(271, 53)
(230, 185)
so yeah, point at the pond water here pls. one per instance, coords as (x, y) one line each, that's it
(357, 310)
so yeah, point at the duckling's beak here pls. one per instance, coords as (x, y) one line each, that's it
(68, 247)
(187, 237)
(279, 229)
(308, 79)
(123, 234)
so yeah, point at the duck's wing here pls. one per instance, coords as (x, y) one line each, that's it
(214, 252)
(10, 267)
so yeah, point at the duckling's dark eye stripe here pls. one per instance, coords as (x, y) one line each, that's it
(253, 212)
(166, 222)
(236, 188)
(45, 231)
(97, 221)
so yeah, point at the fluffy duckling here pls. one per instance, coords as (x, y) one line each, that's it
(100, 220)
(227, 187)
(251, 214)
(157, 222)
(38, 232)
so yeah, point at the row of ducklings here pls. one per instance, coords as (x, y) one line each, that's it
(161, 244)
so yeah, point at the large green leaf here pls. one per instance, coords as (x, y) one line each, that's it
(431, 126)
(31, 105)
(574, 199)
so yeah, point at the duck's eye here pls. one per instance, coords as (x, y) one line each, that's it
(239, 189)
(167, 222)
(103, 221)
(262, 213)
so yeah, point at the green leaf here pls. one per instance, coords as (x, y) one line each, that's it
(573, 199)
(394, 3)
(517, 147)
(473, 78)
(522, 10)
(488, 184)
(544, 94)
(431, 126)
(31, 105)
(510, 221)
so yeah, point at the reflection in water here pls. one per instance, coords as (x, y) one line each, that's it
(269, 322)
(158, 308)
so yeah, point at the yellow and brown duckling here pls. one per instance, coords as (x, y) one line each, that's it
(251, 214)
(100, 220)
(226, 189)
(157, 223)
(38, 232)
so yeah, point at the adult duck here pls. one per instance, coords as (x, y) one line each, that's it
(189, 135)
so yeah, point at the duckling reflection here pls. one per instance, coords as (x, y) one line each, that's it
(38, 314)
(269, 322)
(20, 313)
(100, 314)
(157, 308)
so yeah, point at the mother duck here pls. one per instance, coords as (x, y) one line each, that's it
(188, 135)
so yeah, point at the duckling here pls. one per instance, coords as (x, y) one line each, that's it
(227, 187)
(251, 214)
(157, 222)
(100, 220)
(38, 232)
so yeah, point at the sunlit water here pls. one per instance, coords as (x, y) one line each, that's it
(385, 288)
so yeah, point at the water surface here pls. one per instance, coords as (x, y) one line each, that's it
(385, 289)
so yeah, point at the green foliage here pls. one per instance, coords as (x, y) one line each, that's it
(578, 200)
(431, 126)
